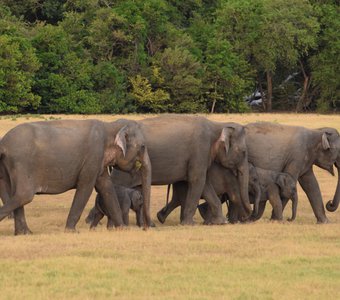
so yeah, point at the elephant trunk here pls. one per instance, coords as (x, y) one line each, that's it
(332, 205)
(294, 206)
(146, 188)
(243, 180)
(257, 200)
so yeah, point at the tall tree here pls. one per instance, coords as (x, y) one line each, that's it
(326, 61)
(267, 32)
(18, 64)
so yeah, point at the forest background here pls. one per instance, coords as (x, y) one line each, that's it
(153, 56)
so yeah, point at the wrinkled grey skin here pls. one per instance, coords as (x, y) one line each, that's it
(182, 148)
(333, 204)
(127, 198)
(263, 185)
(294, 150)
(276, 187)
(54, 157)
(222, 180)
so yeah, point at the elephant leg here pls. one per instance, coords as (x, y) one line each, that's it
(96, 218)
(20, 225)
(126, 218)
(80, 199)
(275, 201)
(233, 213)
(284, 203)
(236, 211)
(262, 206)
(139, 218)
(205, 212)
(195, 189)
(179, 191)
(215, 205)
(94, 210)
(83, 192)
(106, 189)
(311, 187)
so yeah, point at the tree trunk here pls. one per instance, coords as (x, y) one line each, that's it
(302, 100)
(269, 91)
(263, 97)
(215, 96)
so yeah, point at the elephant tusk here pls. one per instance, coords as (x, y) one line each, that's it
(109, 170)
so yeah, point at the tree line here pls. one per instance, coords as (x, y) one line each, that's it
(122, 56)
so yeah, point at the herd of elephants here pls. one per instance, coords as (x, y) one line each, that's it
(195, 157)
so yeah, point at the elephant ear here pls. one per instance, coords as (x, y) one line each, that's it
(136, 200)
(120, 139)
(325, 142)
(281, 180)
(225, 137)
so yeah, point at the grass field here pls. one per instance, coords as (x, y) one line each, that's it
(264, 260)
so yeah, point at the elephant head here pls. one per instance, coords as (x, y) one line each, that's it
(287, 185)
(136, 200)
(130, 154)
(329, 155)
(231, 152)
(254, 188)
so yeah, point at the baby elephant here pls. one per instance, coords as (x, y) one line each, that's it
(127, 198)
(264, 185)
(277, 187)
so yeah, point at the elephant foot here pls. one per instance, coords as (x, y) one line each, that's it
(116, 228)
(23, 231)
(252, 219)
(323, 221)
(152, 224)
(290, 219)
(70, 230)
(203, 210)
(276, 220)
(216, 221)
(188, 222)
(89, 220)
(161, 217)
(232, 220)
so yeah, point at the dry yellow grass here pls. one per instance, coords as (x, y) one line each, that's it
(264, 260)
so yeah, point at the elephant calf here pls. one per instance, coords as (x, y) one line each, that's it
(277, 187)
(127, 198)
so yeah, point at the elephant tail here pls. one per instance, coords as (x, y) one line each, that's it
(5, 175)
(168, 194)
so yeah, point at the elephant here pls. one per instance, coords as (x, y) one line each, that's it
(294, 150)
(278, 188)
(222, 180)
(181, 148)
(56, 156)
(127, 198)
(263, 185)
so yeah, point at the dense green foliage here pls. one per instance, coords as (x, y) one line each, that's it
(119, 56)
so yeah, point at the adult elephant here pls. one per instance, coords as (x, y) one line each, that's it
(224, 183)
(182, 148)
(53, 157)
(294, 150)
